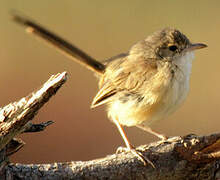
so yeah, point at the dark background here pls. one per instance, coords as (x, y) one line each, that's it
(102, 29)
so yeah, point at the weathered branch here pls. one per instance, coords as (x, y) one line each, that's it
(15, 118)
(190, 157)
(37, 127)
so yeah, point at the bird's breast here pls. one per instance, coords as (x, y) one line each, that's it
(158, 98)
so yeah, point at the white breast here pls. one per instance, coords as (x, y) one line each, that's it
(180, 87)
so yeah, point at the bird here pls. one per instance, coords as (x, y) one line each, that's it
(139, 87)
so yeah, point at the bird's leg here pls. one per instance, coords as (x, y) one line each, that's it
(129, 147)
(148, 129)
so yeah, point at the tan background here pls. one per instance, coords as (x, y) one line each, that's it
(103, 29)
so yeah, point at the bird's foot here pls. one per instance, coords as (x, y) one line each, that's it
(163, 139)
(137, 153)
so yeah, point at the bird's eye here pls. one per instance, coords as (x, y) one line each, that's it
(173, 48)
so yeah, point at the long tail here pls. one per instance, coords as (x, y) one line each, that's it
(59, 43)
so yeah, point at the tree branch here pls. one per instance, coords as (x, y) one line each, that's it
(15, 118)
(37, 127)
(189, 157)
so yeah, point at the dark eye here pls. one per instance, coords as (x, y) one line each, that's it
(172, 48)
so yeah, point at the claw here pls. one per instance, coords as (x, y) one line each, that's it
(163, 139)
(144, 159)
(121, 150)
(138, 154)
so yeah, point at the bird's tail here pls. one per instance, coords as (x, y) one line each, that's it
(59, 43)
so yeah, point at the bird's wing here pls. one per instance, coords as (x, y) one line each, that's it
(123, 75)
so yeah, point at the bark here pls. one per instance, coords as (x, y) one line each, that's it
(190, 157)
(15, 118)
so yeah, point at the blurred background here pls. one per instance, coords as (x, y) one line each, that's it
(102, 29)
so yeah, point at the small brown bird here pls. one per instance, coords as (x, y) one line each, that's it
(141, 86)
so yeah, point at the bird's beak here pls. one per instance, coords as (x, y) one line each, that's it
(195, 46)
